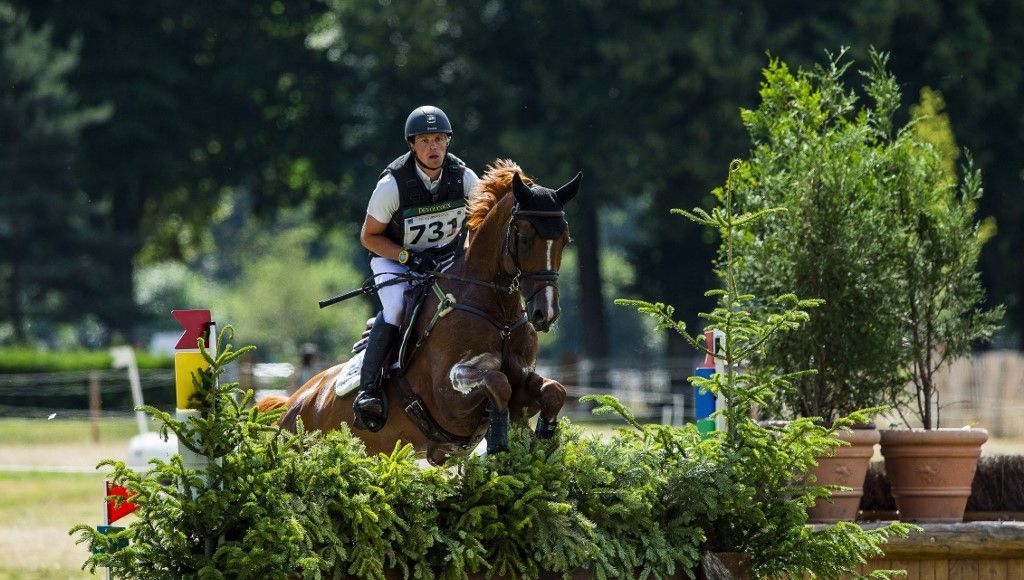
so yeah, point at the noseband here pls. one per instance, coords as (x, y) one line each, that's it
(544, 278)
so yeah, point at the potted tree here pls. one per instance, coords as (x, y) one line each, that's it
(826, 158)
(931, 469)
(763, 531)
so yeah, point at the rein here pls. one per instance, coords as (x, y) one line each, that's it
(447, 302)
(510, 289)
(414, 407)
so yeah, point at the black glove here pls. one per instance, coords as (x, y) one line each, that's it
(420, 262)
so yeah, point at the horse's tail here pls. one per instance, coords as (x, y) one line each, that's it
(271, 402)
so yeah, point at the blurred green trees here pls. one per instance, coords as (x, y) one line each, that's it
(45, 220)
(275, 294)
(304, 101)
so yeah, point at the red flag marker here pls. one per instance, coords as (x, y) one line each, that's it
(115, 513)
(195, 323)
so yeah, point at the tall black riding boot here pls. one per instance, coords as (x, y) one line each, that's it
(371, 404)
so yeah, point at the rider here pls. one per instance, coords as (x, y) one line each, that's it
(415, 218)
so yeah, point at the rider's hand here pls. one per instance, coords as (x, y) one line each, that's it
(420, 262)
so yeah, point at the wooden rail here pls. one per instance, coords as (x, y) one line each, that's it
(967, 551)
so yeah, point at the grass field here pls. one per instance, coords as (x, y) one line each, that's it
(36, 511)
(38, 505)
(48, 484)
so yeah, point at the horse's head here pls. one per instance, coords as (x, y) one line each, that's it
(537, 235)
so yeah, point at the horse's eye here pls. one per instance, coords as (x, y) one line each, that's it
(524, 240)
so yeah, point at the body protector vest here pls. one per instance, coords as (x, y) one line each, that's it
(424, 219)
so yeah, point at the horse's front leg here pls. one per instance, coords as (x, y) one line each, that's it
(499, 392)
(549, 395)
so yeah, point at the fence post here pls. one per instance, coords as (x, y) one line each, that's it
(95, 403)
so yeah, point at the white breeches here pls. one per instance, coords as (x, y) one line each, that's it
(392, 298)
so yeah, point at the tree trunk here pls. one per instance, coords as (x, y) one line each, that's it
(121, 314)
(592, 316)
(14, 286)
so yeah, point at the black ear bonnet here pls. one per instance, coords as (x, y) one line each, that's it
(542, 207)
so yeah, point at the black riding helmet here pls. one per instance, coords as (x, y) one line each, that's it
(427, 119)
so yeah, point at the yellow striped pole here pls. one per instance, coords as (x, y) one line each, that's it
(188, 361)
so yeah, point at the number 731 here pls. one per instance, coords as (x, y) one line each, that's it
(436, 230)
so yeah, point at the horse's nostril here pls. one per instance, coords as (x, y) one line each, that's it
(538, 317)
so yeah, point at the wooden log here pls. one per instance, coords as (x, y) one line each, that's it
(969, 516)
(966, 541)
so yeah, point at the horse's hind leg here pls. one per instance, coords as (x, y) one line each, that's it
(550, 396)
(499, 392)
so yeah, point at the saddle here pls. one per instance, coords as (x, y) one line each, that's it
(415, 297)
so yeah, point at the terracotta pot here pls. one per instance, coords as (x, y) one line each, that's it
(847, 467)
(931, 471)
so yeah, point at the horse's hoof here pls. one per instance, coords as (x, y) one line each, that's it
(545, 429)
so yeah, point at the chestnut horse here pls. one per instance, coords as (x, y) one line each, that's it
(473, 366)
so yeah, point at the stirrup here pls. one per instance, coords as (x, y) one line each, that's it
(370, 409)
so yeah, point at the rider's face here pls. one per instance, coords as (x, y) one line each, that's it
(430, 149)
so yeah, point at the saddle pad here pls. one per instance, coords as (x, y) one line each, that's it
(348, 379)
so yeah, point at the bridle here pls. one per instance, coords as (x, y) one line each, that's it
(544, 278)
(447, 302)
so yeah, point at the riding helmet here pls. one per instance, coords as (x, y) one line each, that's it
(427, 119)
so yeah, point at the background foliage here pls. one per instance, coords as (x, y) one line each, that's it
(282, 104)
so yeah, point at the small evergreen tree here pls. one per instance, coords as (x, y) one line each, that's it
(942, 297)
(877, 225)
(763, 502)
(251, 513)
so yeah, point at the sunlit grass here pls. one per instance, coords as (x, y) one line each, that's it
(36, 511)
(40, 432)
(38, 508)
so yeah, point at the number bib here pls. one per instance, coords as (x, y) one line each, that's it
(433, 226)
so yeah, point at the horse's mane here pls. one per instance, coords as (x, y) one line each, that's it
(495, 184)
